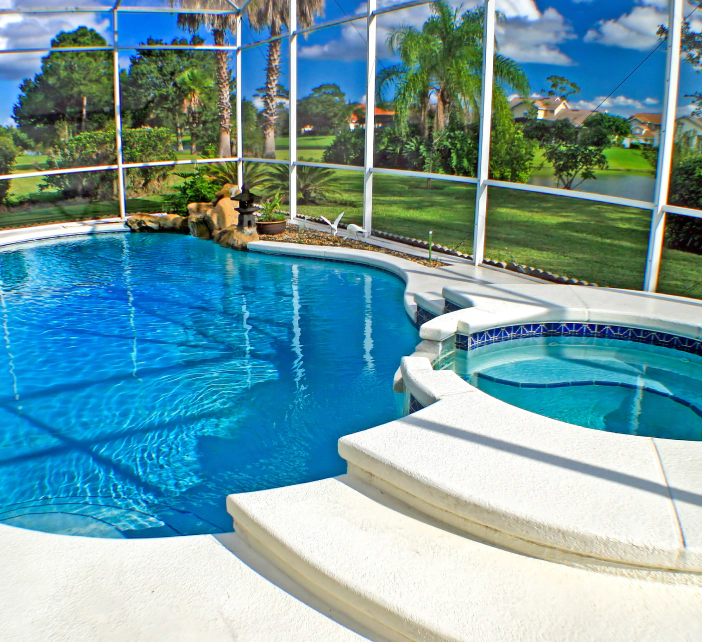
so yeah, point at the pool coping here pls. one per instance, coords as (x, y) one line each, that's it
(67, 574)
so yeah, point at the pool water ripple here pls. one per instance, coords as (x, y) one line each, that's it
(145, 377)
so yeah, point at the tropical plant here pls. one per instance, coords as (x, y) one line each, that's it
(274, 16)
(270, 209)
(219, 25)
(196, 188)
(195, 83)
(442, 63)
(315, 185)
(255, 174)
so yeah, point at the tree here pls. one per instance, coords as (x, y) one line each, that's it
(325, 110)
(574, 153)
(273, 15)
(219, 25)
(152, 94)
(615, 127)
(72, 92)
(443, 63)
(195, 84)
(561, 87)
(8, 153)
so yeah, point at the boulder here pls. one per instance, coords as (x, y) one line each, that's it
(225, 192)
(201, 226)
(171, 223)
(233, 238)
(223, 213)
(198, 208)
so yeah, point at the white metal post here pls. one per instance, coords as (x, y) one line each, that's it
(293, 110)
(121, 191)
(665, 146)
(239, 114)
(371, 33)
(481, 190)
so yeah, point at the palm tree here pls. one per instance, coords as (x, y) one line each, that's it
(274, 15)
(443, 63)
(194, 83)
(220, 25)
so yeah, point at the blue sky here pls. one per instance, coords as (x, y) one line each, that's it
(595, 43)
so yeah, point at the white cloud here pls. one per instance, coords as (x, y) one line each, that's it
(526, 34)
(637, 28)
(35, 32)
(527, 39)
(623, 105)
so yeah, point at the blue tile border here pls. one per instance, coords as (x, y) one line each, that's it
(424, 315)
(592, 330)
(414, 405)
(564, 384)
(450, 306)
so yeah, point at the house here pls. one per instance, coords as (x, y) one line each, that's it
(383, 118)
(688, 133)
(645, 130)
(551, 108)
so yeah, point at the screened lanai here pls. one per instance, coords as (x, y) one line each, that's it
(554, 137)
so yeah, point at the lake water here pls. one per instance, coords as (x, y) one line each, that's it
(624, 184)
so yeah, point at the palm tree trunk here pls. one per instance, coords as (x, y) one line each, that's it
(179, 135)
(224, 106)
(270, 98)
(84, 115)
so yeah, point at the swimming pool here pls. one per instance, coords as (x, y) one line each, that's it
(600, 383)
(145, 377)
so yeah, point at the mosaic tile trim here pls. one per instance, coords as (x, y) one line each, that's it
(450, 306)
(593, 330)
(414, 405)
(616, 384)
(423, 315)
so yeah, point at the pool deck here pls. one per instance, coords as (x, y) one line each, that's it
(468, 520)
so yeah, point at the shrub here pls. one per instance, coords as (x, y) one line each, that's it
(685, 232)
(346, 148)
(196, 188)
(315, 185)
(99, 148)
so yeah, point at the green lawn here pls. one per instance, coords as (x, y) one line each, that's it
(581, 239)
(619, 159)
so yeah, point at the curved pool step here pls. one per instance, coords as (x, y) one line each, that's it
(537, 485)
(406, 577)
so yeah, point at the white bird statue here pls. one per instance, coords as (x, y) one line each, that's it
(335, 225)
(301, 224)
(353, 231)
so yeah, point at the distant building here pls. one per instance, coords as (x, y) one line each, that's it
(552, 108)
(645, 130)
(688, 132)
(383, 118)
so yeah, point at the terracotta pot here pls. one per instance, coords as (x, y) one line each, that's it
(270, 227)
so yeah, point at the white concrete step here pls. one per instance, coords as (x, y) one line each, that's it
(405, 577)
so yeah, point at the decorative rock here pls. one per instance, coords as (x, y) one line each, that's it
(201, 226)
(198, 208)
(223, 213)
(171, 223)
(235, 239)
(225, 192)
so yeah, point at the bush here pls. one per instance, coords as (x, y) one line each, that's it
(196, 188)
(347, 148)
(99, 148)
(8, 153)
(685, 232)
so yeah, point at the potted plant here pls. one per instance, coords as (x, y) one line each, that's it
(271, 221)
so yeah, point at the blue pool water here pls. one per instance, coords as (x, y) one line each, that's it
(145, 377)
(604, 384)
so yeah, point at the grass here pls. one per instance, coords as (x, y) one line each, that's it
(619, 159)
(581, 239)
